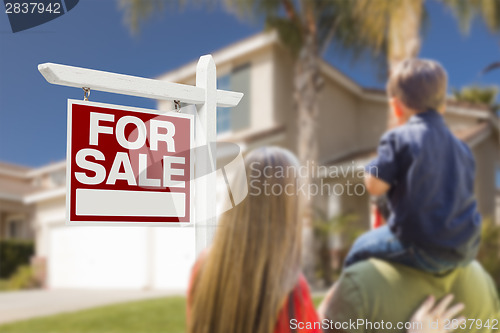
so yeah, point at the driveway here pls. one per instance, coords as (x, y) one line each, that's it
(19, 305)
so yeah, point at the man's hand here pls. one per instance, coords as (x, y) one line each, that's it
(432, 319)
(375, 186)
(326, 301)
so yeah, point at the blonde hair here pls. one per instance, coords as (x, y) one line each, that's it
(419, 83)
(254, 262)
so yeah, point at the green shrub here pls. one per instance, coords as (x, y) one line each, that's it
(14, 253)
(23, 278)
(3, 284)
(343, 225)
(489, 253)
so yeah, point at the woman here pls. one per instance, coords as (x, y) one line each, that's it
(250, 279)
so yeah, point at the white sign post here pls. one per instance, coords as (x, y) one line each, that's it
(205, 94)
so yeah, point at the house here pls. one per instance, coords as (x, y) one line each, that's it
(23, 191)
(351, 120)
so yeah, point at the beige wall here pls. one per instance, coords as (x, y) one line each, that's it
(262, 84)
(49, 213)
(356, 124)
(285, 112)
(348, 123)
(262, 81)
(338, 121)
(486, 153)
(372, 123)
(459, 122)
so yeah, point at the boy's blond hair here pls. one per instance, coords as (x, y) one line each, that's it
(419, 83)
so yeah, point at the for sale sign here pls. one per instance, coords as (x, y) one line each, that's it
(128, 165)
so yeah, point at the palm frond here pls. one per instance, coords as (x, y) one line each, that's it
(478, 95)
(467, 10)
(138, 11)
(289, 33)
(491, 67)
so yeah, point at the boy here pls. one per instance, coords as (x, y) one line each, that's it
(428, 175)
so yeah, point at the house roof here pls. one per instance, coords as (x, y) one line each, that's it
(14, 190)
(18, 171)
(13, 170)
(261, 41)
(471, 136)
(226, 54)
(16, 182)
(467, 105)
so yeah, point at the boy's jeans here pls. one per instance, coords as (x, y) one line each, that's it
(381, 243)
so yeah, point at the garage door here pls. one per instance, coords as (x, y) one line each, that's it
(98, 257)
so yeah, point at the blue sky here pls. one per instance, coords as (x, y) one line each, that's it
(94, 35)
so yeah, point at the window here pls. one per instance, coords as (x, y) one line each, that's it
(497, 177)
(58, 178)
(14, 229)
(237, 118)
(224, 114)
(15, 226)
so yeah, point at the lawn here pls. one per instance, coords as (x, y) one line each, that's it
(151, 316)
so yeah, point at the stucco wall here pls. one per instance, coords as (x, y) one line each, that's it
(486, 154)
(261, 95)
(338, 131)
(459, 122)
(285, 112)
(48, 214)
(371, 122)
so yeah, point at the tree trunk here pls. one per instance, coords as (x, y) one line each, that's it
(404, 37)
(306, 84)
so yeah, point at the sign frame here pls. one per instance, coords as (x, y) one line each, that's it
(191, 117)
(204, 94)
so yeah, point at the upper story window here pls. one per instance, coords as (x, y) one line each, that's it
(237, 118)
(224, 114)
(497, 177)
(58, 177)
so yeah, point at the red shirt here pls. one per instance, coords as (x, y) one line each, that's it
(305, 317)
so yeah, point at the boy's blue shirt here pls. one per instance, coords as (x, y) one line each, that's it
(431, 174)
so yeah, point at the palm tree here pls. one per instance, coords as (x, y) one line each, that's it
(395, 26)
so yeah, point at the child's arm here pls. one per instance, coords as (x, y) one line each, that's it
(375, 186)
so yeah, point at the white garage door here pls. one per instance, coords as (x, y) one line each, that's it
(120, 257)
(174, 257)
(98, 257)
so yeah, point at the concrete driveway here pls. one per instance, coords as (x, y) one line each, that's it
(19, 305)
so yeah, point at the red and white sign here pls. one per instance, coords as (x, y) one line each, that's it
(128, 165)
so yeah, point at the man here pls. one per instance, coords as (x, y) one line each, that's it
(378, 296)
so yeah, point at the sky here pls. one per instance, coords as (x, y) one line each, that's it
(95, 35)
